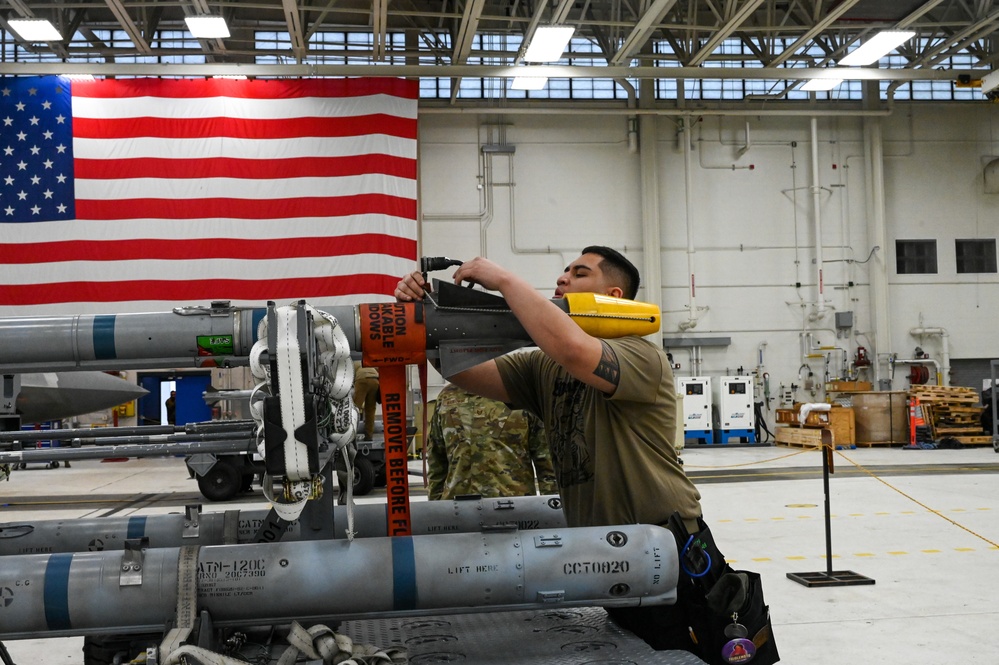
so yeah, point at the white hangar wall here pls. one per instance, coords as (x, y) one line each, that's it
(530, 190)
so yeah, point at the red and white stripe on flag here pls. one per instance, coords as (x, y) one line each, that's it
(188, 191)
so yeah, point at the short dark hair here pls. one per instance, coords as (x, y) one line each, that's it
(618, 267)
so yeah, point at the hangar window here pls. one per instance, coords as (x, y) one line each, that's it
(916, 257)
(975, 255)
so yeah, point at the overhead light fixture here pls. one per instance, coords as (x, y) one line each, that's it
(817, 85)
(35, 29)
(877, 47)
(548, 43)
(207, 27)
(529, 82)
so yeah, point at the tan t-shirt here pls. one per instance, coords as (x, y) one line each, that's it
(613, 455)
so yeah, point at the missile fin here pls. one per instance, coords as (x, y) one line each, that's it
(451, 295)
(456, 357)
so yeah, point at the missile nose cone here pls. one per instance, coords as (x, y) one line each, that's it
(55, 395)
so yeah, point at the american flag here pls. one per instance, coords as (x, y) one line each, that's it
(143, 194)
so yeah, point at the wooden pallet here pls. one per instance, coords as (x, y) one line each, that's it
(974, 440)
(950, 411)
(958, 395)
(946, 419)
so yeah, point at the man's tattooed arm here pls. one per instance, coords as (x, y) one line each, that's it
(608, 368)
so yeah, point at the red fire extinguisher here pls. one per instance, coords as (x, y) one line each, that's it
(862, 359)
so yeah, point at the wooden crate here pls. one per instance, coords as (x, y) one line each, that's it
(843, 425)
(790, 417)
(802, 437)
(881, 418)
(839, 419)
(848, 386)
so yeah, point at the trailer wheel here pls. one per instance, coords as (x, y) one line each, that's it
(110, 649)
(222, 482)
(364, 475)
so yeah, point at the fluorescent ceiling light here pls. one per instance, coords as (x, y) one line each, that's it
(528, 82)
(34, 29)
(207, 27)
(877, 47)
(815, 85)
(548, 43)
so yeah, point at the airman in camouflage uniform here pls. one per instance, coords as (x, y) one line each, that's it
(479, 446)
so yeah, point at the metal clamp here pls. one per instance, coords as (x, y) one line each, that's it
(192, 521)
(230, 527)
(132, 560)
(548, 541)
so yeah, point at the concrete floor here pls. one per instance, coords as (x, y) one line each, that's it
(924, 526)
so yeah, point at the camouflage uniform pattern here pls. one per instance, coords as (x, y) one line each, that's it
(479, 446)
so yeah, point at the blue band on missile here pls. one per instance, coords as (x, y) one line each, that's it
(104, 337)
(403, 573)
(258, 316)
(56, 596)
(136, 527)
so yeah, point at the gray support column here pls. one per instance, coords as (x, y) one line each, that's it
(877, 235)
(648, 148)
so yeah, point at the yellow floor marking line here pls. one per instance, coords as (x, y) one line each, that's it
(916, 501)
(734, 466)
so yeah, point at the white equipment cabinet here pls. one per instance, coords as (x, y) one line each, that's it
(736, 417)
(696, 394)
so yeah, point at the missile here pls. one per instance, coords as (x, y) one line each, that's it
(215, 336)
(56, 395)
(460, 324)
(102, 534)
(468, 327)
(136, 590)
(133, 450)
(83, 435)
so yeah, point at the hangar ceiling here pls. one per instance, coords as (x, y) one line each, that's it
(634, 38)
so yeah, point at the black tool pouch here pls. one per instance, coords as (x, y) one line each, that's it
(717, 597)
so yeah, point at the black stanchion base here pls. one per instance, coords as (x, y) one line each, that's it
(830, 578)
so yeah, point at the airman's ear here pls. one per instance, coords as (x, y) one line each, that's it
(614, 292)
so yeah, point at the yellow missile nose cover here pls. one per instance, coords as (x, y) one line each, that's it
(607, 317)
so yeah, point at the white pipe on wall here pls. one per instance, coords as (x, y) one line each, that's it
(744, 149)
(820, 301)
(689, 204)
(633, 134)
